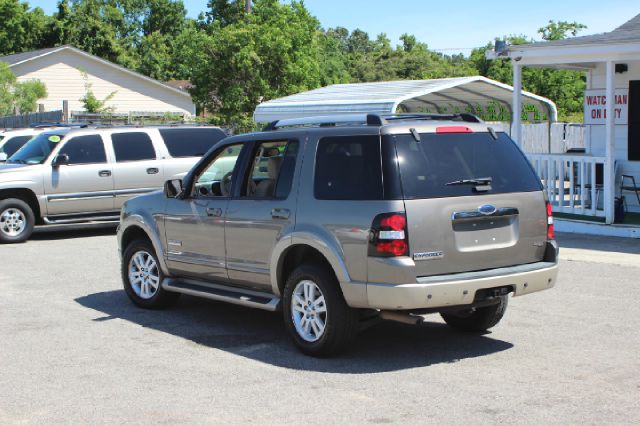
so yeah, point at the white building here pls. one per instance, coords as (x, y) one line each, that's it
(60, 69)
(587, 184)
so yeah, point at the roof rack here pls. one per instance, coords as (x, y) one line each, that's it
(366, 119)
(57, 124)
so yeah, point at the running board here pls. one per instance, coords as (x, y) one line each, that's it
(249, 298)
(58, 220)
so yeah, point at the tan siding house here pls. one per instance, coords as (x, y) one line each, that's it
(60, 69)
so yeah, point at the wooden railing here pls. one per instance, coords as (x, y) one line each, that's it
(574, 184)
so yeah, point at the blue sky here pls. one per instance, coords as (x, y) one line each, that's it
(460, 24)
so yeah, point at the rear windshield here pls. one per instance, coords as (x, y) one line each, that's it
(429, 167)
(191, 142)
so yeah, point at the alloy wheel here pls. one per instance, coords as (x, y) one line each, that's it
(12, 222)
(308, 310)
(144, 275)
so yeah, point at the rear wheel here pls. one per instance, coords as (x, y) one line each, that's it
(315, 313)
(16, 221)
(142, 277)
(479, 319)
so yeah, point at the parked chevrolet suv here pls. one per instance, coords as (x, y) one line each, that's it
(338, 220)
(66, 175)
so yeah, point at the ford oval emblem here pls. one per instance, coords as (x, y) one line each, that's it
(487, 209)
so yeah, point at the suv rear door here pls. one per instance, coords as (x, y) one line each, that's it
(137, 168)
(264, 206)
(455, 225)
(186, 145)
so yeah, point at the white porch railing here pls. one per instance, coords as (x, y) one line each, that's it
(574, 183)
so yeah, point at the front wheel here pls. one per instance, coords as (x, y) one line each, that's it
(315, 312)
(16, 221)
(479, 319)
(142, 277)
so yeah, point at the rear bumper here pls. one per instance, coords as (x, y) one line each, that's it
(460, 289)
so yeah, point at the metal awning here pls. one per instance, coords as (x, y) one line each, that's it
(444, 95)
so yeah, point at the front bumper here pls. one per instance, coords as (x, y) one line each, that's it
(460, 289)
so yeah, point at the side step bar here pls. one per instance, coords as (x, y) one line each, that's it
(52, 220)
(249, 298)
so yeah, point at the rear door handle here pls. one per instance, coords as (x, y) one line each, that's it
(104, 173)
(152, 170)
(214, 211)
(280, 213)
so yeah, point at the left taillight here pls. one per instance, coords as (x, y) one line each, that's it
(389, 235)
(550, 229)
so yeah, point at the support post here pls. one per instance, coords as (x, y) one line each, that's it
(516, 114)
(609, 169)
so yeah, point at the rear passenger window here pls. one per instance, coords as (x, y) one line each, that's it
(190, 142)
(348, 168)
(134, 146)
(87, 149)
(14, 144)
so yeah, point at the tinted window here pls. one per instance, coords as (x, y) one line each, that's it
(271, 171)
(14, 144)
(85, 150)
(190, 142)
(427, 166)
(133, 146)
(348, 168)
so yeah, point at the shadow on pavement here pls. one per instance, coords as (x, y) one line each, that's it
(598, 243)
(261, 336)
(63, 232)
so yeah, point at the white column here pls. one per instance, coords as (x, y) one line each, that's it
(610, 128)
(516, 104)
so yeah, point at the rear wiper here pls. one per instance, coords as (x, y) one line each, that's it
(476, 181)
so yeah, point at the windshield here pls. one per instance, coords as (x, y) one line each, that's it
(37, 150)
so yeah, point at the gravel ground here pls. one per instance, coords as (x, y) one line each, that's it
(73, 350)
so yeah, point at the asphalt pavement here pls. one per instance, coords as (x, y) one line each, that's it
(74, 350)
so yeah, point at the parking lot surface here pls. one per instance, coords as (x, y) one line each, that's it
(74, 350)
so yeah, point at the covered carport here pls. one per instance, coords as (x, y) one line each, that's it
(477, 95)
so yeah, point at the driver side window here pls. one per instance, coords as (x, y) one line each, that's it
(215, 179)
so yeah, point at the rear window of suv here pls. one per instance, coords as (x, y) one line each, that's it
(191, 142)
(427, 166)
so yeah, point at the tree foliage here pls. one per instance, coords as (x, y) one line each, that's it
(236, 60)
(18, 97)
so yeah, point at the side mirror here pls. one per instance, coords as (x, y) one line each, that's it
(173, 188)
(60, 160)
(3, 157)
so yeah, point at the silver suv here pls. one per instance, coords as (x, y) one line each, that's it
(338, 221)
(66, 175)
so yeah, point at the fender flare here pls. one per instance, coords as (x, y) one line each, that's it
(137, 220)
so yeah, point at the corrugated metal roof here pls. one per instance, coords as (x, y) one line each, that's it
(629, 32)
(385, 97)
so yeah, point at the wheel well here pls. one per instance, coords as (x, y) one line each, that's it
(297, 255)
(25, 195)
(133, 233)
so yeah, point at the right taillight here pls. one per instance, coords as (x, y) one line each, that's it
(550, 230)
(389, 235)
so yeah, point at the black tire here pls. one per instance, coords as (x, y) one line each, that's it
(478, 320)
(9, 206)
(341, 321)
(161, 298)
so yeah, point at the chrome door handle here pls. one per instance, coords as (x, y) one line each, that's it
(104, 173)
(280, 213)
(152, 170)
(215, 212)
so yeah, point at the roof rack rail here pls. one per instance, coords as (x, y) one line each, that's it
(365, 119)
(57, 124)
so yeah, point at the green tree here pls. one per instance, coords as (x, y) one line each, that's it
(560, 30)
(21, 29)
(18, 97)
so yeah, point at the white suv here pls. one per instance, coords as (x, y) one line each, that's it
(78, 175)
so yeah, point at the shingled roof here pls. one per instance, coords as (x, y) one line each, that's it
(25, 56)
(629, 32)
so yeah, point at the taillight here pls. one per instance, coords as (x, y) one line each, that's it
(389, 235)
(550, 230)
(453, 129)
